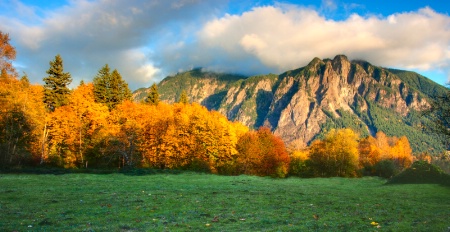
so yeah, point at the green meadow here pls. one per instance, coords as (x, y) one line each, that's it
(187, 201)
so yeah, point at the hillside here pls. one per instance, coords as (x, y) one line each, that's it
(302, 104)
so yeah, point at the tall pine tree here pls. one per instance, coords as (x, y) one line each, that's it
(109, 87)
(183, 98)
(153, 95)
(56, 92)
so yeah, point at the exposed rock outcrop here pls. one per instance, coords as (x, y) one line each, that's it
(302, 103)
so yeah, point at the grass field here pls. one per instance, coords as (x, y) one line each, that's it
(200, 202)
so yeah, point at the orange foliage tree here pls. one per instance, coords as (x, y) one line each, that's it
(384, 155)
(22, 115)
(369, 155)
(7, 54)
(401, 153)
(262, 153)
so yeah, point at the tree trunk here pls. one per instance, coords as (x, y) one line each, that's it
(44, 142)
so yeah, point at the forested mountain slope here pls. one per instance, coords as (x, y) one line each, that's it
(303, 104)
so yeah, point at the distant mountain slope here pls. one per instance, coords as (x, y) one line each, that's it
(303, 104)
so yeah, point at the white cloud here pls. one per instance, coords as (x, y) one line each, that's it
(89, 34)
(147, 39)
(285, 37)
(329, 5)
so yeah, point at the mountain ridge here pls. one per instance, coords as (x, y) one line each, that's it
(300, 105)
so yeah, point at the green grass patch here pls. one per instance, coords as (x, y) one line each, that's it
(188, 201)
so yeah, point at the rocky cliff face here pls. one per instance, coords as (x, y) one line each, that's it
(305, 96)
(302, 104)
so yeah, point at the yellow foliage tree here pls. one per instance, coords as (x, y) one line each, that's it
(336, 155)
(22, 115)
(62, 126)
(402, 153)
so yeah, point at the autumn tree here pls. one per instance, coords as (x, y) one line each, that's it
(21, 112)
(299, 155)
(262, 153)
(7, 55)
(109, 87)
(369, 155)
(21, 120)
(188, 136)
(336, 155)
(126, 128)
(153, 95)
(62, 129)
(56, 91)
(92, 119)
(402, 153)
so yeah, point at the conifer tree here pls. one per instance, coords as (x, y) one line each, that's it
(56, 92)
(183, 98)
(101, 84)
(153, 95)
(109, 87)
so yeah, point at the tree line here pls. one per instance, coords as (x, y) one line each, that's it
(96, 125)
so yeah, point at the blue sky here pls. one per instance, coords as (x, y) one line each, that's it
(146, 40)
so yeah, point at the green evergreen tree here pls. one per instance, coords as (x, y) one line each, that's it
(183, 98)
(109, 87)
(153, 95)
(56, 92)
(101, 84)
(24, 80)
(440, 114)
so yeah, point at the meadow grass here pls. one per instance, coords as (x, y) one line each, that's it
(201, 202)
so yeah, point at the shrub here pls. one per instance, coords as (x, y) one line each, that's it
(422, 172)
(386, 168)
(299, 164)
(198, 165)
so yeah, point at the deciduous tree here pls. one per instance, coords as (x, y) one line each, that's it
(7, 55)
(336, 155)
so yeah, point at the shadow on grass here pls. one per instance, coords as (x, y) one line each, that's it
(62, 171)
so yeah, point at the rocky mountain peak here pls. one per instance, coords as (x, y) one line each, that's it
(341, 65)
(302, 104)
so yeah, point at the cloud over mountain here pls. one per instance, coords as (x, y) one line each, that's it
(283, 38)
(146, 40)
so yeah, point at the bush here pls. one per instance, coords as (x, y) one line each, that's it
(230, 169)
(198, 165)
(421, 172)
(386, 169)
(299, 167)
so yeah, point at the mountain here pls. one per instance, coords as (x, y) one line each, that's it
(303, 104)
